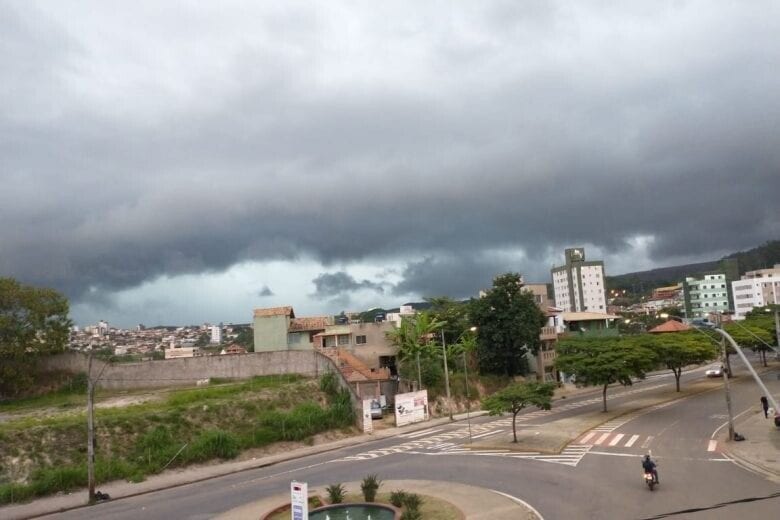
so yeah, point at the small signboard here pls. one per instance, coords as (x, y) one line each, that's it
(368, 425)
(299, 500)
(411, 408)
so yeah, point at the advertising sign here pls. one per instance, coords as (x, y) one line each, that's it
(411, 408)
(368, 425)
(299, 500)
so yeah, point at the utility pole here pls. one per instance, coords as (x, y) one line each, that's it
(468, 397)
(446, 374)
(90, 431)
(726, 373)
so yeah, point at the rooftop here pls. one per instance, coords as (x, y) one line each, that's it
(275, 311)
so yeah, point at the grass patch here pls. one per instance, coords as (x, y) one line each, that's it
(194, 426)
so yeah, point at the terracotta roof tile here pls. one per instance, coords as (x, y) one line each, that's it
(312, 323)
(670, 326)
(276, 311)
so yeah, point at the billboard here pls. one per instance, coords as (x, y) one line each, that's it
(411, 408)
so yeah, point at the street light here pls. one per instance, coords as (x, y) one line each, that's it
(446, 374)
(466, 376)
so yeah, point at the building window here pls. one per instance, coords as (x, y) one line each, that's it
(360, 340)
(343, 339)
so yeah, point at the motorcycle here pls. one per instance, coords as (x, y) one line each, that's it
(649, 480)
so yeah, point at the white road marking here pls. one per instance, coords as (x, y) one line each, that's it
(602, 438)
(420, 433)
(632, 440)
(521, 502)
(616, 439)
(713, 444)
(486, 434)
(588, 437)
(647, 442)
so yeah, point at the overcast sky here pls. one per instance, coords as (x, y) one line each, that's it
(182, 162)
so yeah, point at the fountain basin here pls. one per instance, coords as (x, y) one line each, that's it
(358, 511)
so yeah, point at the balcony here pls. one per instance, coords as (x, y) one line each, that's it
(548, 357)
(548, 334)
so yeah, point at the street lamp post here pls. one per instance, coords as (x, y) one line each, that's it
(446, 374)
(468, 397)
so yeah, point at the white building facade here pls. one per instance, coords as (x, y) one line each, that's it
(756, 289)
(216, 334)
(579, 285)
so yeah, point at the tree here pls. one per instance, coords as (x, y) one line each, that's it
(246, 338)
(33, 323)
(750, 333)
(415, 338)
(509, 323)
(678, 350)
(603, 361)
(514, 398)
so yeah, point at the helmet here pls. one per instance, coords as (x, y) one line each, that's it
(647, 457)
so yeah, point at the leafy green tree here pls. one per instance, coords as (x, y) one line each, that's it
(415, 338)
(453, 314)
(33, 323)
(246, 339)
(749, 333)
(508, 322)
(514, 398)
(603, 361)
(678, 350)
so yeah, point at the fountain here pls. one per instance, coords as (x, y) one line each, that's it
(354, 512)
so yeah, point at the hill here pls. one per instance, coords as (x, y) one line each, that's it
(737, 264)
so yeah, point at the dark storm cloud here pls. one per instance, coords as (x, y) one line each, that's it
(426, 136)
(265, 291)
(333, 285)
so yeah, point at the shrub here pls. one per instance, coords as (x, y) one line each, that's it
(329, 385)
(397, 498)
(369, 486)
(412, 502)
(212, 444)
(336, 493)
(411, 514)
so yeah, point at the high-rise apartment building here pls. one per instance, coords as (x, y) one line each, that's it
(216, 334)
(706, 295)
(756, 289)
(578, 285)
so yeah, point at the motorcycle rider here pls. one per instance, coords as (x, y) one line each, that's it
(650, 467)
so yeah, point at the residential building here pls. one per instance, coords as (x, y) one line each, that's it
(403, 312)
(277, 328)
(709, 294)
(578, 285)
(756, 289)
(590, 323)
(541, 293)
(366, 342)
(216, 334)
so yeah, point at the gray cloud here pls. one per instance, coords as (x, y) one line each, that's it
(332, 285)
(265, 291)
(187, 146)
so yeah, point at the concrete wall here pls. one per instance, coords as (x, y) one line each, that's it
(271, 332)
(187, 371)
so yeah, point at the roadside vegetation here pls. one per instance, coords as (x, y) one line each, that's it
(44, 455)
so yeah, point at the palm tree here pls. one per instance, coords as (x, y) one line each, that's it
(415, 336)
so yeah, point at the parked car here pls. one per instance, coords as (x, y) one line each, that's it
(376, 409)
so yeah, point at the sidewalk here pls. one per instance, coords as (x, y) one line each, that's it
(760, 451)
(475, 503)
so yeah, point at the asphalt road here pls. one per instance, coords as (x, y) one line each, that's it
(600, 481)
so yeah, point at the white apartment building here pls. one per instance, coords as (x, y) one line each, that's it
(578, 285)
(756, 289)
(216, 334)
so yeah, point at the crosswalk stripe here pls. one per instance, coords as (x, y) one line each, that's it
(422, 433)
(713, 444)
(486, 434)
(602, 438)
(616, 439)
(588, 437)
(631, 441)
